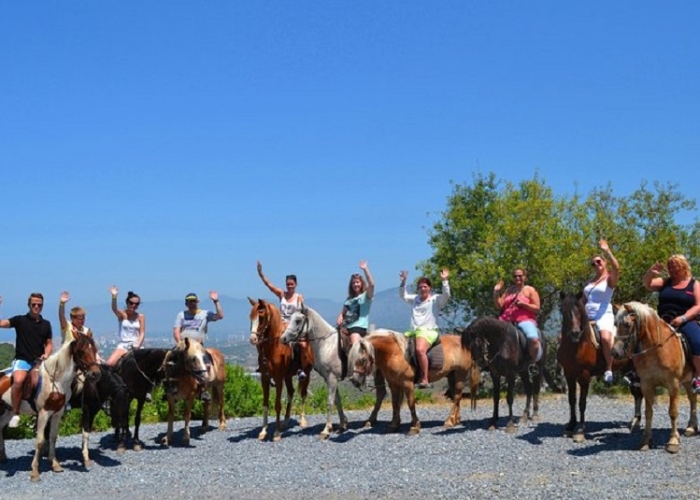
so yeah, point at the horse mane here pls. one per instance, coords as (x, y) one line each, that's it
(399, 338)
(642, 312)
(486, 326)
(60, 359)
(275, 327)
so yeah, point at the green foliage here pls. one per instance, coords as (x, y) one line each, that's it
(7, 354)
(490, 227)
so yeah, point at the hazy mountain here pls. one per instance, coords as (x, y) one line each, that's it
(388, 311)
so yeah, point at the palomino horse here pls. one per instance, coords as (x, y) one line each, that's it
(141, 370)
(495, 345)
(275, 362)
(56, 375)
(385, 350)
(581, 359)
(89, 396)
(306, 323)
(660, 360)
(185, 369)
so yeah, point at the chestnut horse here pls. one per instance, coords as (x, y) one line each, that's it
(385, 350)
(275, 362)
(660, 361)
(56, 376)
(185, 369)
(581, 358)
(495, 345)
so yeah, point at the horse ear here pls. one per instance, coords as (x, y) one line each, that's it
(628, 308)
(302, 307)
(252, 302)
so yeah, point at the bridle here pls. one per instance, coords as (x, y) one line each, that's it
(77, 355)
(630, 341)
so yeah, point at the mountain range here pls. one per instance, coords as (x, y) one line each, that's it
(388, 311)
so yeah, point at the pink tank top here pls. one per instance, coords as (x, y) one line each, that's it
(516, 314)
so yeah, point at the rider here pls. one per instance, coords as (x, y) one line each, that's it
(355, 313)
(520, 304)
(426, 309)
(192, 323)
(34, 341)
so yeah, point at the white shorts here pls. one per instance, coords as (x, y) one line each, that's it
(607, 323)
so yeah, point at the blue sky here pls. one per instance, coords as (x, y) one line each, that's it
(166, 146)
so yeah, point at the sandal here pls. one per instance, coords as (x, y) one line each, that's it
(424, 385)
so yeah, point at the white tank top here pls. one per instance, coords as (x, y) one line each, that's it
(288, 307)
(129, 330)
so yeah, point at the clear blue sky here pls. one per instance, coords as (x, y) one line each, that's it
(166, 146)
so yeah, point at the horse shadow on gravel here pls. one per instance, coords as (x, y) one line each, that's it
(70, 458)
(600, 437)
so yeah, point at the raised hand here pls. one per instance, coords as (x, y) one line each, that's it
(114, 290)
(444, 274)
(498, 286)
(65, 297)
(363, 265)
(214, 296)
(403, 275)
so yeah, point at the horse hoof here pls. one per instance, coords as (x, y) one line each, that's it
(510, 428)
(185, 442)
(673, 448)
(579, 437)
(262, 436)
(535, 418)
(138, 447)
(369, 424)
(222, 427)
(644, 447)
(690, 432)
(449, 424)
(277, 438)
(88, 463)
(323, 436)
(413, 431)
(165, 442)
(491, 427)
(35, 477)
(635, 425)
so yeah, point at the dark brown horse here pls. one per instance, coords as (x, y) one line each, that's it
(275, 362)
(496, 346)
(581, 358)
(660, 361)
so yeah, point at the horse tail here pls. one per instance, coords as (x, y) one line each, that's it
(474, 381)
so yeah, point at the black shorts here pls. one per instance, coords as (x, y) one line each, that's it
(358, 330)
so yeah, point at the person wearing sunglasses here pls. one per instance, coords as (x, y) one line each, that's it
(132, 325)
(520, 304)
(34, 341)
(354, 317)
(679, 303)
(598, 293)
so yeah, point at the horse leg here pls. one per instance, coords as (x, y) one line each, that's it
(219, 395)
(343, 426)
(86, 424)
(648, 391)
(636, 422)
(580, 430)
(396, 398)
(496, 380)
(411, 401)
(380, 394)
(571, 389)
(206, 407)
(692, 427)
(536, 387)
(53, 435)
(303, 391)
(42, 420)
(456, 383)
(265, 380)
(527, 387)
(332, 385)
(167, 439)
(278, 405)
(290, 399)
(674, 442)
(138, 445)
(510, 396)
(189, 401)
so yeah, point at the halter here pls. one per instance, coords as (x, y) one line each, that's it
(630, 341)
(304, 332)
(79, 362)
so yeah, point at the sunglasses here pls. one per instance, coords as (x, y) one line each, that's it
(596, 262)
(518, 276)
(36, 305)
(132, 303)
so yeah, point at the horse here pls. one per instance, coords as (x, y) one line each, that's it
(56, 375)
(275, 362)
(496, 346)
(141, 370)
(186, 371)
(660, 360)
(90, 396)
(306, 323)
(385, 350)
(581, 358)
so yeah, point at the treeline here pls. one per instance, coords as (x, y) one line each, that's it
(489, 227)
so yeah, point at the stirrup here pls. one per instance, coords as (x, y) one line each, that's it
(533, 369)
(205, 396)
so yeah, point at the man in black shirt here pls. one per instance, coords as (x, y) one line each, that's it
(34, 341)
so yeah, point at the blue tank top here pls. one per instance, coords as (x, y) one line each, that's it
(675, 301)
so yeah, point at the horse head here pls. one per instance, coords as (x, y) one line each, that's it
(84, 354)
(298, 326)
(189, 356)
(361, 360)
(265, 321)
(628, 322)
(573, 315)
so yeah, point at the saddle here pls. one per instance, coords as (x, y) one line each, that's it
(522, 342)
(29, 387)
(436, 357)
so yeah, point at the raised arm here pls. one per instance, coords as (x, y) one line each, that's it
(445, 295)
(119, 314)
(277, 291)
(498, 297)
(214, 296)
(370, 279)
(65, 297)
(614, 273)
(653, 280)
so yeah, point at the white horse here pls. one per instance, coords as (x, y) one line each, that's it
(56, 375)
(306, 323)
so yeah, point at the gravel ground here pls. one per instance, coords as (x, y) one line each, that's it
(465, 462)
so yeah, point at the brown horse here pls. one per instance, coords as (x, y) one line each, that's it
(385, 351)
(275, 362)
(56, 375)
(185, 372)
(581, 358)
(660, 361)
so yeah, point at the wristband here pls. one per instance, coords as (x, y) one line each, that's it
(684, 319)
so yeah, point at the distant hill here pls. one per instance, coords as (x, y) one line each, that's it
(388, 311)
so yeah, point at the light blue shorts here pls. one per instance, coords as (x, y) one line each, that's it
(20, 364)
(529, 328)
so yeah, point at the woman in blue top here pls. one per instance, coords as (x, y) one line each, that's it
(355, 314)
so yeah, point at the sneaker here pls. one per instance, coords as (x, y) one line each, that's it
(68, 407)
(632, 379)
(424, 385)
(696, 385)
(608, 377)
(149, 398)
(301, 376)
(205, 396)
(14, 421)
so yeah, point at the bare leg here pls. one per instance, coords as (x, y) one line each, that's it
(422, 346)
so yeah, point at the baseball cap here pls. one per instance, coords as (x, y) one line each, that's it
(191, 296)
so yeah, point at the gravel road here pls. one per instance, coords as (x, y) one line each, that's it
(465, 462)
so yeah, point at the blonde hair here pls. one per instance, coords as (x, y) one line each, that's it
(77, 311)
(682, 263)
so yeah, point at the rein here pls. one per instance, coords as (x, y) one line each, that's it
(631, 341)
